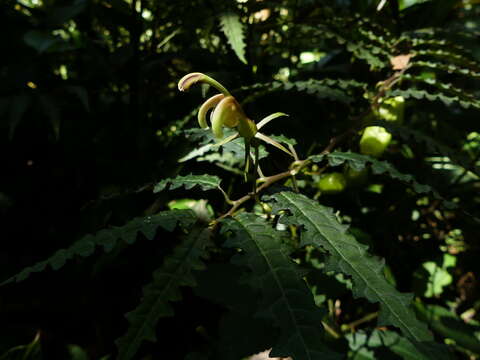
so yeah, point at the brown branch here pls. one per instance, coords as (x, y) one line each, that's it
(269, 181)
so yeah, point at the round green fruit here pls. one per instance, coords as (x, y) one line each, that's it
(374, 141)
(332, 183)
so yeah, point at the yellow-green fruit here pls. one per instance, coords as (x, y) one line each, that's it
(374, 141)
(332, 183)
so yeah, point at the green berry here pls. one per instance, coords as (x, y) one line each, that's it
(332, 183)
(374, 141)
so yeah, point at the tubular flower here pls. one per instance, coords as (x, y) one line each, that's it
(226, 111)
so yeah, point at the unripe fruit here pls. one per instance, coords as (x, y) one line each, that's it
(356, 177)
(374, 141)
(332, 183)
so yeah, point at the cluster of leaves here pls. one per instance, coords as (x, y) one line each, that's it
(104, 162)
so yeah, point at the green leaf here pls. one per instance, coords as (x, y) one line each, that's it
(446, 323)
(366, 345)
(450, 68)
(61, 14)
(81, 93)
(52, 111)
(438, 278)
(359, 162)
(350, 257)
(41, 41)
(77, 353)
(234, 30)
(176, 271)
(424, 94)
(19, 104)
(285, 298)
(332, 89)
(284, 139)
(108, 238)
(433, 145)
(206, 182)
(222, 284)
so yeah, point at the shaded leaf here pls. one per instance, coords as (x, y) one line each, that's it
(285, 298)
(108, 239)
(176, 271)
(359, 162)
(18, 106)
(234, 30)
(446, 323)
(351, 258)
(206, 182)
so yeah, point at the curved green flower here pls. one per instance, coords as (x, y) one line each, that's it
(227, 112)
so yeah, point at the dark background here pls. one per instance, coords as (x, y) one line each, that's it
(90, 119)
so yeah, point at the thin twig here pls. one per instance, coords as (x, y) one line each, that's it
(366, 318)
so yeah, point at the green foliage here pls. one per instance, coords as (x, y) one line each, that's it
(109, 238)
(359, 162)
(285, 299)
(234, 31)
(175, 272)
(206, 182)
(447, 100)
(311, 250)
(350, 257)
(371, 346)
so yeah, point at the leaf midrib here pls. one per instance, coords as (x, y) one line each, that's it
(280, 287)
(414, 336)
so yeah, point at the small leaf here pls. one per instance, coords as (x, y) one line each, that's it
(234, 30)
(18, 106)
(448, 324)
(364, 344)
(108, 238)
(52, 111)
(206, 182)
(41, 41)
(81, 93)
(283, 139)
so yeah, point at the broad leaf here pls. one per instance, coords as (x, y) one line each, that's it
(285, 298)
(350, 257)
(175, 272)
